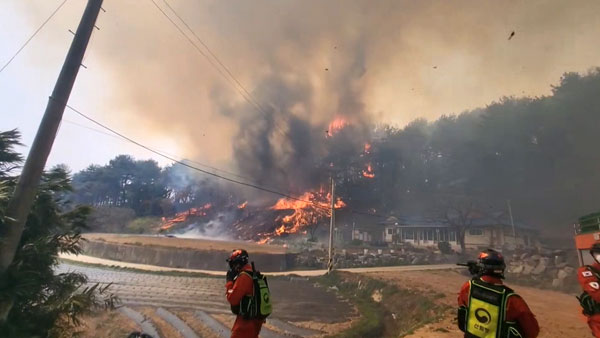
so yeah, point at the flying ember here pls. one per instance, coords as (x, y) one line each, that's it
(369, 172)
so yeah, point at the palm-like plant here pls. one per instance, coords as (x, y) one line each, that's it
(35, 301)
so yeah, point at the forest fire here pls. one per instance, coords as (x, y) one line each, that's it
(336, 125)
(309, 209)
(182, 217)
(367, 148)
(243, 205)
(369, 172)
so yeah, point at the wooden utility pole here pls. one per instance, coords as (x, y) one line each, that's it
(22, 199)
(331, 224)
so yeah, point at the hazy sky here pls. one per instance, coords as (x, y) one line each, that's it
(390, 61)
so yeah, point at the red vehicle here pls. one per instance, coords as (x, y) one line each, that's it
(587, 242)
(587, 233)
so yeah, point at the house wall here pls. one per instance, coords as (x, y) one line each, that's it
(421, 236)
(476, 240)
(363, 236)
(492, 236)
(497, 237)
(387, 237)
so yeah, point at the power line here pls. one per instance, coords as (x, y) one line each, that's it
(156, 150)
(215, 57)
(33, 35)
(89, 128)
(251, 185)
(236, 84)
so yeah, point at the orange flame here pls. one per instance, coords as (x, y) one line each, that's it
(243, 205)
(369, 172)
(367, 148)
(280, 230)
(181, 217)
(336, 125)
(310, 208)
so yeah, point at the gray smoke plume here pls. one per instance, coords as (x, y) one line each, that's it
(309, 62)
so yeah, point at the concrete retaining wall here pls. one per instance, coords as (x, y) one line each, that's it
(182, 258)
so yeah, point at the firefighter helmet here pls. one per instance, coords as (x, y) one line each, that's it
(238, 257)
(491, 263)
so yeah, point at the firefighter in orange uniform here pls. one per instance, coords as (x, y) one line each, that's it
(487, 308)
(240, 285)
(589, 279)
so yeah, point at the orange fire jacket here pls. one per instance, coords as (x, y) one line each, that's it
(236, 290)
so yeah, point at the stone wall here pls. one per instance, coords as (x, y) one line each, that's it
(182, 258)
(555, 269)
(346, 258)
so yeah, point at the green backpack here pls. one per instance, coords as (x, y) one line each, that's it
(257, 306)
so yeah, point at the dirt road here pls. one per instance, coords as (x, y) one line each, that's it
(557, 313)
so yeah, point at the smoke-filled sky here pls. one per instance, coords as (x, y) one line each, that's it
(304, 62)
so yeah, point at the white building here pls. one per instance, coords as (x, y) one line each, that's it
(484, 232)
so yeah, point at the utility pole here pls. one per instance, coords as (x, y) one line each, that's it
(512, 222)
(331, 223)
(26, 189)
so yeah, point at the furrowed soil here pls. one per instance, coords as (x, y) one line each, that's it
(109, 324)
(558, 314)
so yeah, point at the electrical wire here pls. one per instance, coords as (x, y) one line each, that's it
(251, 185)
(247, 184)
(215, 57)
(32, 36)
(156, 150)
(236, 84)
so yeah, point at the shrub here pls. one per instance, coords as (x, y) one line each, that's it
(34, 301)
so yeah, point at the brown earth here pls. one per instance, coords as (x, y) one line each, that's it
(558, 314)
(162, 326)
(186, 243)
(109, 324)
(198, 327)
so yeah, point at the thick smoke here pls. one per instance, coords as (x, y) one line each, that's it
(282, 147)
(309, 62)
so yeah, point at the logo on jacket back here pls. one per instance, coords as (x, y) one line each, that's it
(483, 316)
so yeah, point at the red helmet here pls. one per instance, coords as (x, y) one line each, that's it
(238, 256)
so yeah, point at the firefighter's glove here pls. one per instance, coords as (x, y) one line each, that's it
(231, 275)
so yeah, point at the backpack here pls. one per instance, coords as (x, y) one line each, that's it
(589, 305)
(486, 311)
(257, 306)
